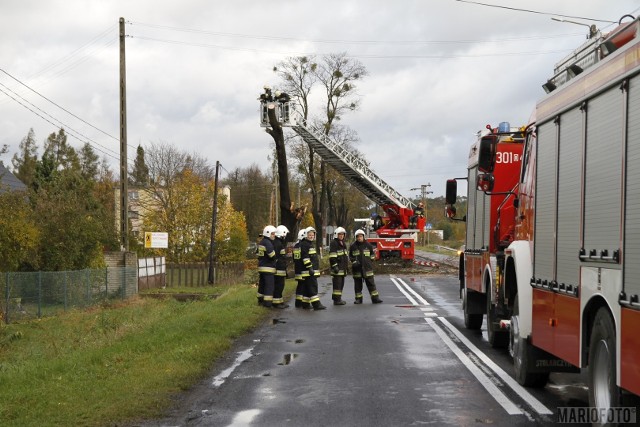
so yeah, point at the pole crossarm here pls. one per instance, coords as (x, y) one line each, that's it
(353, 168)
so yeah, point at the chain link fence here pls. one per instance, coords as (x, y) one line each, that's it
(39, 294)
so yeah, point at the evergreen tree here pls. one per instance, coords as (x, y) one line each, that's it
(24, 162)
(140, 173)
(60, 152)
(89, 162)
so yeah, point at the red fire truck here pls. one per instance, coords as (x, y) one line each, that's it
(490, 221)
(571, 274)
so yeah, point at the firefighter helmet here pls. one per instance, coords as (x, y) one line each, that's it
(302, 233)
(309, 230)
(359, 232)
(339, 230)
(282, 231)
(268, 231)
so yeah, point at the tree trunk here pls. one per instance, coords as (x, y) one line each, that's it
(287, 211)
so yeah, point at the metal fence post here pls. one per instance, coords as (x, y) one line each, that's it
(65, 289)
(124, 282)
(6, 290)
(39, 294)
(88, 280)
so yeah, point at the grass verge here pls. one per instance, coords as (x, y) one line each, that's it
(120, 362)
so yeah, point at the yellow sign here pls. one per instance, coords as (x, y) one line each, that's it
(156, 240)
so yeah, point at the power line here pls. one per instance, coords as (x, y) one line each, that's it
(70, 131)
(534, 11)
(343, 41)
(245, 49)
(59, 106)
(75, 52)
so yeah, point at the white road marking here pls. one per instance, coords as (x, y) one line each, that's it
(410, 289)
(244, 418)
(401, 289)
(524, 394)
(493, 390)
(242, 356)
(506, 378)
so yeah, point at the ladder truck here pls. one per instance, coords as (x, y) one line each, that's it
(489, 223)
(395, 238)
(572, 271)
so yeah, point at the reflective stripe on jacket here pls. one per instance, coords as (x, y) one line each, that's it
(281, 254)
(309, 258)
(266, 256)
(338, 256)
(364, 254)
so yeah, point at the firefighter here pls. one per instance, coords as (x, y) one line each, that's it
(311, 265)
(280, 247)
(266, 266)
(361, 255)
(417, 213)
(339, 260)
(298, 266)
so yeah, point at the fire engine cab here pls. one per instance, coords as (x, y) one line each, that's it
(490, 220)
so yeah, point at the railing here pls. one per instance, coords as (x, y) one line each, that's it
(197, 274)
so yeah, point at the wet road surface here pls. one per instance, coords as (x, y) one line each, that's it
(408, 361)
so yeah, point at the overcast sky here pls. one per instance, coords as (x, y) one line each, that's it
(439, 70)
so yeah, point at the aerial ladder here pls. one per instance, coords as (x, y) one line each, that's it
(395, 238)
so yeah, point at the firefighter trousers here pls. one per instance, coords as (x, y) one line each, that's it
(311, 289)
(265, 289)
(278, 288)
(338, 286)
(300, 297)
(371, 287)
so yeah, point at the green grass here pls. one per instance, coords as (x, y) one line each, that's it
(117, 363)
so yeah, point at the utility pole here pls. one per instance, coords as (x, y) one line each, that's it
(124, 186)
(214, 219)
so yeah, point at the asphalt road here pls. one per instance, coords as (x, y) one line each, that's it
(408, 361)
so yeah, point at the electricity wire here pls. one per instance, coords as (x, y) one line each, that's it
(59, 106)
(246, 49)
(535, 11)
(70, 131)
(345, 41)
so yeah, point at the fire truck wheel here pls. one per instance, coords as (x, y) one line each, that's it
(497, 337)
(520, 349)
(603, 391)
(471, 321)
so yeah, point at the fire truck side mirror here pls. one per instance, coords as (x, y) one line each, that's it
(452, 191)
(487, 153)
(485, 182)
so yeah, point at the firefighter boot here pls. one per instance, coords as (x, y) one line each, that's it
(306, 305)
(339, 302)
(281, 306)
(317, 305)
(358, 300)
(375, 299)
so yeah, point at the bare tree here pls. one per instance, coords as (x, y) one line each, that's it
(338, 75)
(298, 77)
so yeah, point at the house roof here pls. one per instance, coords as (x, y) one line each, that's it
(8, 181)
